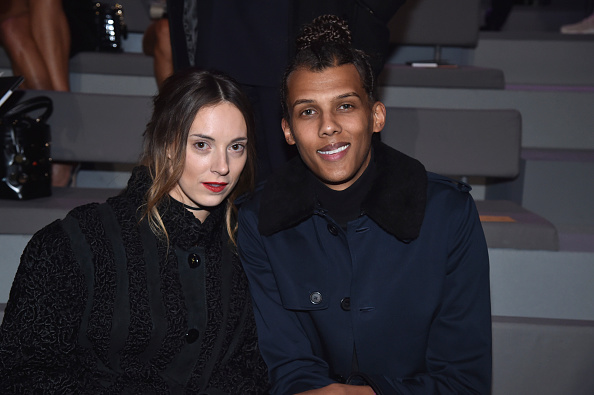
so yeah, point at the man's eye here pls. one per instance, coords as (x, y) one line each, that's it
(309, 111)
(345, 106)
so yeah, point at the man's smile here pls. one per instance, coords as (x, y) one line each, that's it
(331, 150)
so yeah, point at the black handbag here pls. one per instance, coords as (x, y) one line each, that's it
(25, 167)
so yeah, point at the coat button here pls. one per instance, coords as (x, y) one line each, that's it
(332, 229)
(194, 260)
(345, 304)
(315, 297)
(192, 336)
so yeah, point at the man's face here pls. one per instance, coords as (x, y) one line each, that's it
(332, 123)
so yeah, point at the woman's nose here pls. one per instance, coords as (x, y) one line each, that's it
(220, 163)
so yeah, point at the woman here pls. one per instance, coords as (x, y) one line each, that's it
(145, 294)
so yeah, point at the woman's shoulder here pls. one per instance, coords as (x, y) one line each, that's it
(55, 238)
(47, 267)
(47, 241)
(53, 241)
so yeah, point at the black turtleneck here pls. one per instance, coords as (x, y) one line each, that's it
(344, 206)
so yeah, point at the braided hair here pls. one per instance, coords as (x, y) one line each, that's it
(324, 43)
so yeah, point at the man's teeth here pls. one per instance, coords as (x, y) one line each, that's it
(333, 151)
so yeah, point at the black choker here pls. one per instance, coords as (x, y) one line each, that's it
(193, 208)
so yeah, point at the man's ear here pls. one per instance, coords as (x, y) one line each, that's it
(379, 116)
(288, 133)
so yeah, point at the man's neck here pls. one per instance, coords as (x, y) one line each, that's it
(344, 206)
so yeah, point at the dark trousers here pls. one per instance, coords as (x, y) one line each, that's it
(497, 14)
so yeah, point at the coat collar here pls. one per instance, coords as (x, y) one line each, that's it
(396, 200)
(184, 230)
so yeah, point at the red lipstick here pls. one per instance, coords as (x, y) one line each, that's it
(215, 186)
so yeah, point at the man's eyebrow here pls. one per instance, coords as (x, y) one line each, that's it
(349, 94)
(302, 101)
(342, 96)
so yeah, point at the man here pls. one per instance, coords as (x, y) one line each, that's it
(368, 274)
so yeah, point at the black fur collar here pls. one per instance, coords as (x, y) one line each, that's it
(396, 200)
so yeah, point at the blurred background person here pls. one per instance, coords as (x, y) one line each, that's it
(36, 37)
(156, 41)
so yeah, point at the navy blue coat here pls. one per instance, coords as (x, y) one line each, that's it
(406, 285)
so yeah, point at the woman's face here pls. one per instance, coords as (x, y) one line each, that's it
(215, 156)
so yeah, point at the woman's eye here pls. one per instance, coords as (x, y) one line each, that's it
(201, 145)
(237, 147)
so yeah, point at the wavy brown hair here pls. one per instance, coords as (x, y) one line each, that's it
(165, 138)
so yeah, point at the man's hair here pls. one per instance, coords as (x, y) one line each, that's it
(325, 43)
(165, 138)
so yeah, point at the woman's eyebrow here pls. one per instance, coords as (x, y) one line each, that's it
(202, 136)
(210, 138)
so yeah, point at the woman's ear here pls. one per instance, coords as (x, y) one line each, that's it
(288, 133)
(379, 116)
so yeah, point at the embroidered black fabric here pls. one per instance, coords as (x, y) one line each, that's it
(42, 350)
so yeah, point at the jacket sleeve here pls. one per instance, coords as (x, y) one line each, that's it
(458, 356)
(284, 345)
(39, 332)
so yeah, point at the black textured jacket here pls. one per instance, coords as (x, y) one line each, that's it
(100, 305)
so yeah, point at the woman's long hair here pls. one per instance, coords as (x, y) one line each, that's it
(165, 138)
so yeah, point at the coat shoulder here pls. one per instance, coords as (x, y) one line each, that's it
(438, 181)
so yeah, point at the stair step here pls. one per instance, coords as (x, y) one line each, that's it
(550, 119)
(538, 58)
